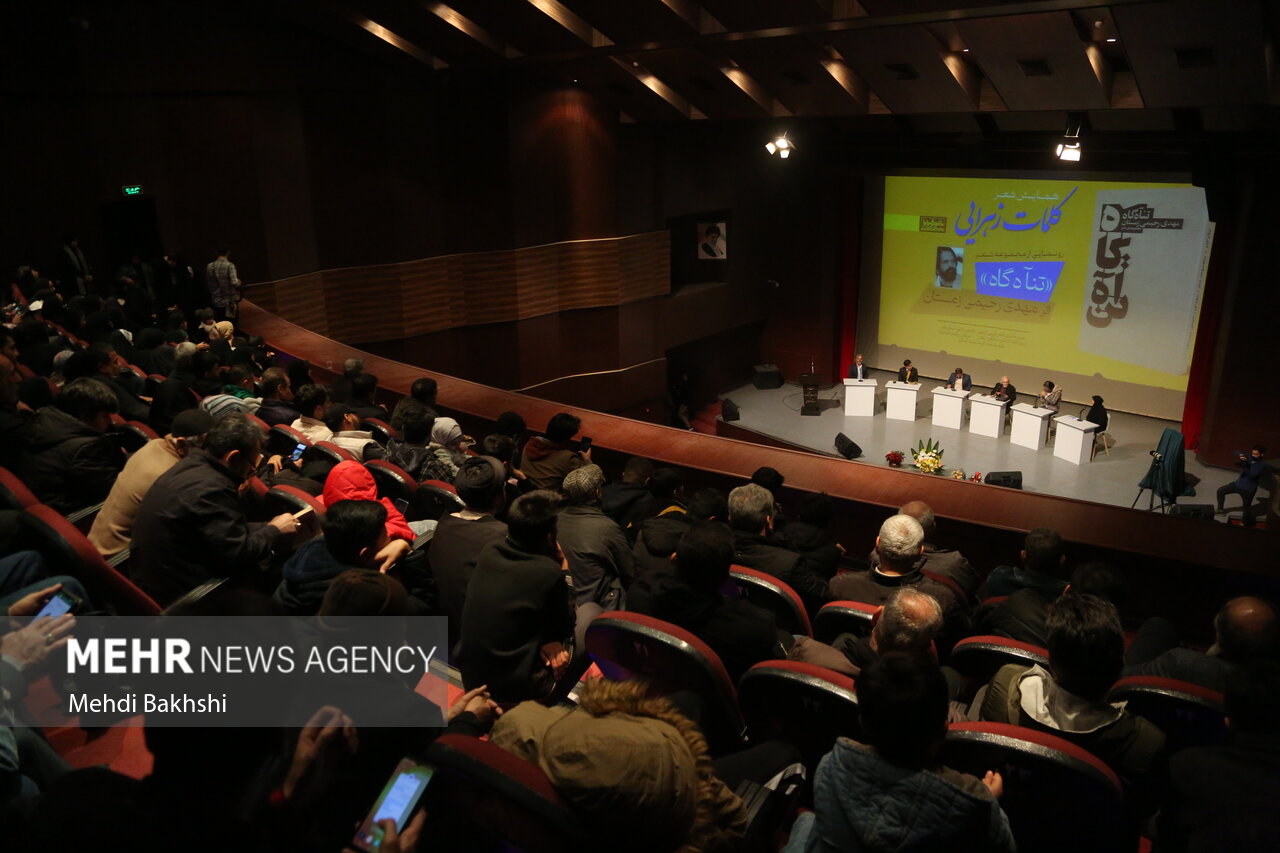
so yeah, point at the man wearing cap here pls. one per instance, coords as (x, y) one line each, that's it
(599, 555)
(462, 535)
(113, 527)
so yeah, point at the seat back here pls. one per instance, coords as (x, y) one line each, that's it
(259, 423)
(843, 617)
(283, 439)
(1042, 772)
(329, 451)
(764, 590)
(432, 502)
(379, 429)
(978, 658)
(14, 493)
(393, 482)
(284, 498)
(803, 704)
(152, 385)
(68, 551)
(134, 435)
(1188, 714)
(670, 659)
(485, 798)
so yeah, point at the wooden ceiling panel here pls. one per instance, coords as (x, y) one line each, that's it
(634, 22)
(605, 77)
(792, 69)
(699, 79)
(1013, 51)
(441, 39)
(1188, 53)
(520, 24)
(905, 66)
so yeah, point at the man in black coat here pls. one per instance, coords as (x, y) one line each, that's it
(518, 619)
(741, 633)
(751, 510)
(70, 464)
(277, 398)
(190, 527)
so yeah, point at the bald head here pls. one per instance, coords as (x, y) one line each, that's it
(1247, 629)
(908, 623)
(923, 513)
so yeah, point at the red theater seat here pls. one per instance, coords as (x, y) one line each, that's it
(1046, 778)
(283, 439)
(379, 429)
(134, 435)
(978, 658)
(670, 659)
(14, 493)
(283, 498)
(805, 705)
(259, 423)
(843, 617)
(393, 482)
(1188, 714)
(764, 590)
(429, 501)
(330, 451)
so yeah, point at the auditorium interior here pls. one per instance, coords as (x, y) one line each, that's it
(512, 198)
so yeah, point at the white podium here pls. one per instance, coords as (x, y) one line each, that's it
(986, 416)
(859, 398)
(1075, 440)
(948, 407)
(1030, 425)
(901, 405)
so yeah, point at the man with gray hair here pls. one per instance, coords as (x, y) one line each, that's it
(751, 509)
(899, 548)
(599, 557)
(340, 388)
(948, 563)
(907, 622)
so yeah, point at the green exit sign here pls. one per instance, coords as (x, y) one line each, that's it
(132, 189)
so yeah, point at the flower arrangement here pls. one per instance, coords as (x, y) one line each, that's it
(976, 478)
(957, 474)
(895, 457)
(927, 457)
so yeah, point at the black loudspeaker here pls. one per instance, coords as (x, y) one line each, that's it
(1010, 479)
(767, 376)
(846, 446)
(1204, 512)
(729, 410)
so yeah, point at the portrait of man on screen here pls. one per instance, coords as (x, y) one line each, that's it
(947, 267)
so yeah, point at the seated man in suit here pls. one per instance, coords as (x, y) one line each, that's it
(751, 517)
(960, 381)
(1006, 392)
(907, 373)
(858, 370)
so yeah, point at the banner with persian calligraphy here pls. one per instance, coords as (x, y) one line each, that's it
(1145, 275)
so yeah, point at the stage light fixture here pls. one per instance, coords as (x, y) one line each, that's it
(1068, 148)
(780, 146)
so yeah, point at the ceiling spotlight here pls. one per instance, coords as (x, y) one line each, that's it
(780, 146)
(1111, 41)
(1068, 148)
(964, 50)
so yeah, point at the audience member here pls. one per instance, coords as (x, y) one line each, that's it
(190, 526)
(15, 423)
(351, 481)
(340, 387)
(619, 499)
(69, 463)
(99, 363)
(461, 536)
(947, 562)
(1245, 629)
(299, 371)
(412, 449)
(312, 401)
(907, 622)
(899, 546)
(1043, 559)
(236, 395)
(657, 537)
(1086, 653)
(344, 430)
(594, 547)
(808, 536)
(177, 392)
(893, 793)
(1223, 798)
(1024, 615)
(666, 496)
(741, 633)
(518, 619)
(422, 392)
(632, 768)
(546, 459)
(113, 527)
(277, 399)
(751, 509)
(448, 451)
(354, 534)
(363, 389)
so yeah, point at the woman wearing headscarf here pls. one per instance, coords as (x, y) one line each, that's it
(448, 451)
(1098, 414)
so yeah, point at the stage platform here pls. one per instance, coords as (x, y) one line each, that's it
(1109, 479)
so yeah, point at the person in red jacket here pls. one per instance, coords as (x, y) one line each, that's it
(351, 481)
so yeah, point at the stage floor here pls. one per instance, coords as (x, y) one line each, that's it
(1109, 479)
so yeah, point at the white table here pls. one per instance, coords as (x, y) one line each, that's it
(986, 416)
(948, 407)
(859, 397)
(1075, 439)
(901, 403)
(1030, 425)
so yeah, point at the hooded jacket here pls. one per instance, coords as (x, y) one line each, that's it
(68, 464)
(814, 544)
(547, 463)
(306, 577)
(865, 804)
(598, 554)
(620, 500)
(351, 481)
(657, 539)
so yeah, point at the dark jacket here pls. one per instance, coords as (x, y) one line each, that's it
(306, 577)
(1222, 799)
(131, 408)
(275, 412)
(190, 528)
(1006, 580)
(1023, 616)
(598, 554)
(365, 410)
(741, 633)
(68, 465)
(814, 544)
(455, 548)
(947, 562)
(619, 500)
(174, 395)
(413, 458)
(15, 427)
(866, 804)
(755, 552)
(547, 463)
(517, 602)
(875, 587)
(657, 539)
